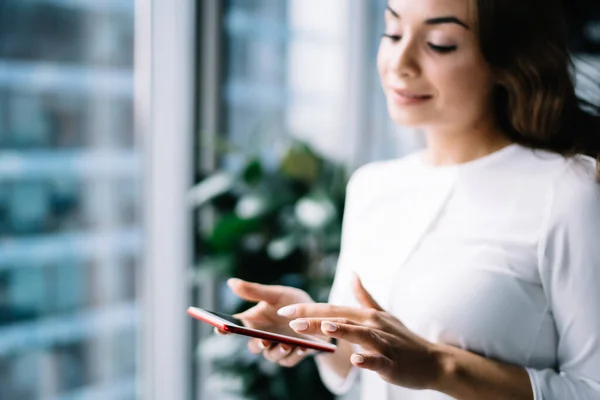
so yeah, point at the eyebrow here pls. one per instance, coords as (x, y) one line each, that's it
(446, 20)
(394, 13)
(435, 21)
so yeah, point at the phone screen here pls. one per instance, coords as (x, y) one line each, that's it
(227, 317)
(267, 328)
(276, 332)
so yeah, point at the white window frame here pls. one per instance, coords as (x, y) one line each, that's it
(164, 117)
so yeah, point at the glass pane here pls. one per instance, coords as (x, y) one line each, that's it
(255, 91)
(70, 239)
(283, 81)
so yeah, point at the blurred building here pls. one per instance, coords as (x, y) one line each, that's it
(70, 240)
(78, 318)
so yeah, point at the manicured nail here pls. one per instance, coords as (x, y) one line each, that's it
(287, 311)
(299, 352)
(357, 359)
(328, 326)
(299, 325)
(233, 281)
(262, 345)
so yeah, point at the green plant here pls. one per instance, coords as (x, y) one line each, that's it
(278, 225)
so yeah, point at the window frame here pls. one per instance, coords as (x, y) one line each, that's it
(164, 114)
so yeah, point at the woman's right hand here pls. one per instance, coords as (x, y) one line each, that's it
(270, 298)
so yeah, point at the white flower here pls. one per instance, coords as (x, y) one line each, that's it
(314, 213)
(250, 206)
(280, 248)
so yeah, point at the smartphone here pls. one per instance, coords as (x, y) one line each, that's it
(227, 323)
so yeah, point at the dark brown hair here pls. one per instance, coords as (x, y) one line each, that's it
(526, 44)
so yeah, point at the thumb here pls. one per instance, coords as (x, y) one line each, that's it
(363, 297)
(255, 312)
(255, 291)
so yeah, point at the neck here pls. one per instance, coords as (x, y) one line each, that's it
(447, 147)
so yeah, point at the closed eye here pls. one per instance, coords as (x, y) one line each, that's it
(442, 49)
(436, 48)
(393, 38)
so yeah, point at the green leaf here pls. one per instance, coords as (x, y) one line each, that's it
(229, 230)
(253, 172)
(210, 188)
(302, 164)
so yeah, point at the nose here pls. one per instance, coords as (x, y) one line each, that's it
(405, 60)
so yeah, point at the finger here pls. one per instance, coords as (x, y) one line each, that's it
(255, 291)
(257, 346)
(265, 344)
(254, 346)
(220, 332)
(373, 362)
(252, 313)
(277, 352)
(294, 357)
(323, 310)
(363, 297)
(312, 326)
(368, 338)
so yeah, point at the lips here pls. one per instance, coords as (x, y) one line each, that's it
(405, 98)
(410, 94)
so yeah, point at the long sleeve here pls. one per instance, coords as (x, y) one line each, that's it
(341, 290)
(569, 261)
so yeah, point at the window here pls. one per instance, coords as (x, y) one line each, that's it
(273, 70)
(286, 75)
(70, 240)
(281, 70)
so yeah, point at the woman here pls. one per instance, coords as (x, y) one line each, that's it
(470, 270)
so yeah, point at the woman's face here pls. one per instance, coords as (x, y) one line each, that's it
(432, 71)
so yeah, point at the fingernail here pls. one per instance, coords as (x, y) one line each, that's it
(299, 325)
(329, 326)
(262, 345)
(233, 281)
(287, 311)
(357, 359)
(299, 352)
(284, 349)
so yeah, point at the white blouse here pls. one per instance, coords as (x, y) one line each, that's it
(499, 256)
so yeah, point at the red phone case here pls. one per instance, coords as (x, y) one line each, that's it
(215, 321)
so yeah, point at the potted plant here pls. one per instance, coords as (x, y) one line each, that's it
(273, 225)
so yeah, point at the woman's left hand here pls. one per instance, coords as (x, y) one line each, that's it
(398, 355)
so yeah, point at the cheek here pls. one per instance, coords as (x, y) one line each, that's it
(461, 82)
(383, 55)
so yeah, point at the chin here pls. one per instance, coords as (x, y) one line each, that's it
(409, 118)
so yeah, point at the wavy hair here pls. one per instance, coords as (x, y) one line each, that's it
(526, 44)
